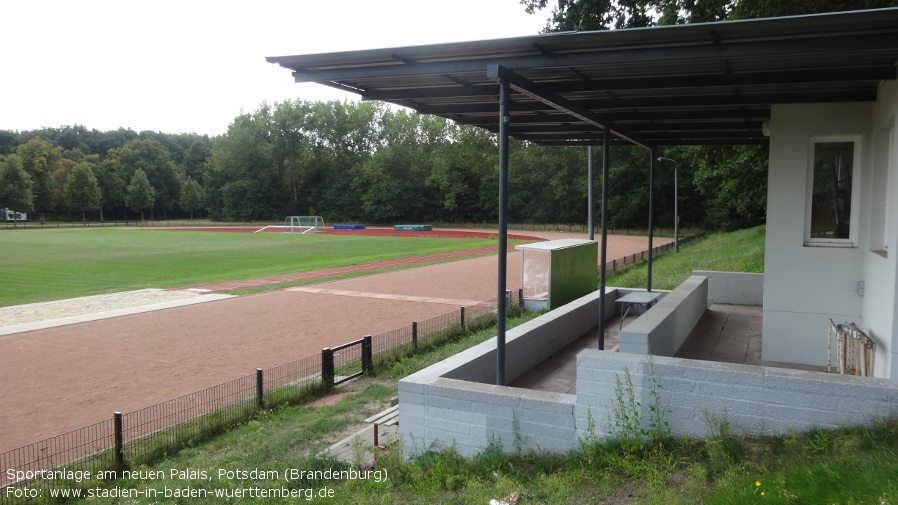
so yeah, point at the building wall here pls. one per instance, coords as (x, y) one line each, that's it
(805, 286)
(880, 301)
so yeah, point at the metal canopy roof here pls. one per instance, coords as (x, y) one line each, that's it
(708, 83)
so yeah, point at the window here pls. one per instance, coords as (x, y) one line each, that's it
(832, 193)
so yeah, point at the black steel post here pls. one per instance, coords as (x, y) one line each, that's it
(589, 204)
(676, 211)
(462, 310)
(606, 164)
(119, 440)
(648, 282)
(367, 355)
(260, 389)
(504, 92)
(415, 334)
(327, 367)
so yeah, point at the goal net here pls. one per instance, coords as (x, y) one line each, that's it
(297, 224)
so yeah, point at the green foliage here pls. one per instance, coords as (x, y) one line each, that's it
(82, 191)
(40, 159)
(15, 185)
(584, 15)
(734, 183)
(192, 196)
(633, 427)
(141, 193)
(151, 158)
(738, 251)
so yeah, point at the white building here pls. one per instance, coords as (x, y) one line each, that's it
(818, 269)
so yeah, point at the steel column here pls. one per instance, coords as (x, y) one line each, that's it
(589, 203)
(603, 254)
(648, 282)
(504, 98)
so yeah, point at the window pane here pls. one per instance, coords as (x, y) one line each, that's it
(831, 200)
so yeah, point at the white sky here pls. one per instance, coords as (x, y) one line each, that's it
(193, 65)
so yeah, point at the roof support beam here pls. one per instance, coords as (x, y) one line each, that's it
(540, 93)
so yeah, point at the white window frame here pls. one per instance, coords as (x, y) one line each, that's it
(853, 223)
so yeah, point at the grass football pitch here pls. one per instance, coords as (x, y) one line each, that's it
(43, 265)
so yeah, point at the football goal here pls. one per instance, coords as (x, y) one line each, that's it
(297, 224)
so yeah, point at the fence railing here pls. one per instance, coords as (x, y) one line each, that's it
(855, 351)
(145, 435)
(630, 259)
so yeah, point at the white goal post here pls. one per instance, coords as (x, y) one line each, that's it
(297, 224)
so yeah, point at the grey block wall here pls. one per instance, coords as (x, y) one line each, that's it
(469, 417)
(663, 328)
(456, 402)
(754, 399)
(734, 287)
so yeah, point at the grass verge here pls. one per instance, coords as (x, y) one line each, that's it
(739, 251)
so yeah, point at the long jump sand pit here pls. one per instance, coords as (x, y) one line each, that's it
(60, 379)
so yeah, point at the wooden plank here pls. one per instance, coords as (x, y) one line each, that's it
(376, 417)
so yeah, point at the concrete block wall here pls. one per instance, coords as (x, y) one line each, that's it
(663, 328)
(456, 403)
(754, 399)
(734, 287)
(470, 416)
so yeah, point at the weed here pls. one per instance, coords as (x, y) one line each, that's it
(629, 427)
(722, 446)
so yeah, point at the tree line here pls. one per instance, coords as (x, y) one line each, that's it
(357, 162)
(107, 175)
(367, 162)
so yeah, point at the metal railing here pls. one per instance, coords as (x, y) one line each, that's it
(855, 351)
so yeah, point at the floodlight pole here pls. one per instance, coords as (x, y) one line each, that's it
(676, 205)
(501, 301)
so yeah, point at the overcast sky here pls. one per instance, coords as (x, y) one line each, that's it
(192, 66)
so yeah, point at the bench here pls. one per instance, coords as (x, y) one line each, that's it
(389, 417)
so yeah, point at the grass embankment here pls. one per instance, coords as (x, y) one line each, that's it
(849, 466)
(43, 265)
(739, 251)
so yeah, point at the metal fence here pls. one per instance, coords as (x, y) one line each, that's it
(145, 435)
(630, 259)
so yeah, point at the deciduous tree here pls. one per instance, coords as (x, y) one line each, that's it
(40, 159)
(15, 186)
(192, 196)
(152, 158)
(141, 193)
(82, 192)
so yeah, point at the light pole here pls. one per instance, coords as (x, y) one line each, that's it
(676, 207)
